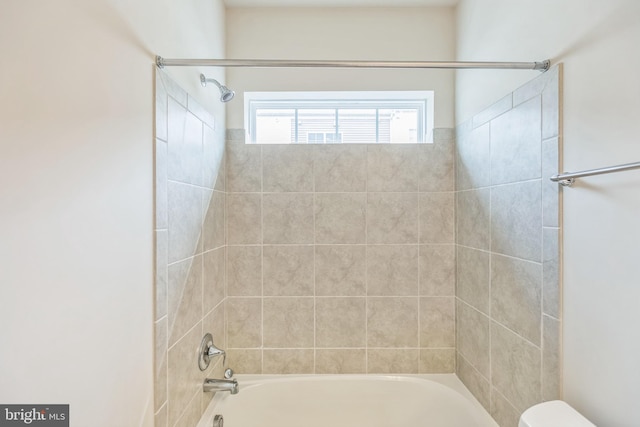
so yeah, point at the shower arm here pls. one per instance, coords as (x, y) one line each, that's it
(281, 63)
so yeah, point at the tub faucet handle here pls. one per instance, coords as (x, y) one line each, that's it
(208, 351)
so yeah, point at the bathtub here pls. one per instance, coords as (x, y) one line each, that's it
(348, 401)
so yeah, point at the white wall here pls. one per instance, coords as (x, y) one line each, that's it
(416, 34)
(597, 40)
(76, 196)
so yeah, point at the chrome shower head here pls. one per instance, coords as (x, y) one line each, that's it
(226, 94)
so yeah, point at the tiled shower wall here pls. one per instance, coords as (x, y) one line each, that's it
(340, 258)
(507, 241)
(190, 251)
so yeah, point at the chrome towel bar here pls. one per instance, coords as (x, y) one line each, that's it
(567, 179)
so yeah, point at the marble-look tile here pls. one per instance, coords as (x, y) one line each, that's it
(244, 167)
(244, 271)
(393, 361)
(191, 414)
(340, 217)
(200, 112)
(340, 168)
(392, 167)
(236, 135)
(160, 363)
(172, 88)
(437, 361)
(392, 322)
(244, 322)
(550, 189)
(437, 270)
(341, 322)
(437, 322)
(502, 411)
(185, 297)
(244, 218)
(472, 219)
(161, 418)
(161, 201)
(340, 270)
(288, 361)
(516, 144)
(473, 284)
(473, 158)
(477, 384)
(184, 143)
(436, 166)
(185, 221)
(473, 337)
(551, 103)
(551, 272)
(214, 280)
(530, 89)
(185, 379)
(392, 218)
(515, 367)
(437, 217)
(341, 361)
(214, 323)
(288, 270)
(288, 322)
(288, 218)
(213, 159)
(162, 277)
(551, 375)
(245, 361)
(287, 168)
(213, 230)
(161, 108)
(392, 270)
(516, 295)
(516, 220)
(495, 110)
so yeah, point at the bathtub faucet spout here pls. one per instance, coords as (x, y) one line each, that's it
(212, 385)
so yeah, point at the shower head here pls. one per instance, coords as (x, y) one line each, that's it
(226, 94)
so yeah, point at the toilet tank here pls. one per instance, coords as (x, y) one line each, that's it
(555, 413)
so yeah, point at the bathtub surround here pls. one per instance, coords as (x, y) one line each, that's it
(340, 258)
(507, 243)
(190, 250)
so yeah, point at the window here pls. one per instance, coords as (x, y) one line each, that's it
(339, 117)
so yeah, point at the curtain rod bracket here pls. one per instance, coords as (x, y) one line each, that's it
(159, 62)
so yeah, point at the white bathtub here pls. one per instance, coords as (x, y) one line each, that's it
(348, 401)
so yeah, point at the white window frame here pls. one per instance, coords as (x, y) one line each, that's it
(422, 100)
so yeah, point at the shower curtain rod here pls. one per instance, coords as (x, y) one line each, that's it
(282, 63)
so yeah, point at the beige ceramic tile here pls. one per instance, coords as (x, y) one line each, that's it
(287, 168)
(184, 144)
(340, 168)
(160, 364)
(161, 278)
(502, 411)
(472, 218)
(192, 413)
(477, 384)
(392, 167)
(341, 322)
(392, 270)
(437, 270)
(213, 285)
(392, 218)
(185, 380)
(185, 297)
(288, 361)
(516, 295)
(392, 322)
(550, 190)
(437, 322)
(244, 218)
(244, 270)
(200, 112)
(244, 317)
(498, 108)
(437, 218)
(184, 220)
(214, 323)
(245, 361)
(213, 232)
(340, 217)
(436, 165)
(288, 322)
(393, 361)
(236, 135)
(551, 375)
(161, 417)
(515, 367)
(437, 361)
(551, 112)
(161, 201)
(172, 88)
(244, 167)
(341, 361)
(473, 337)
(288, 218)
(161, 108)
(474, 278)
(340, 270)
(213, 159)
(473, 157)
(551, 272)
(288, 270)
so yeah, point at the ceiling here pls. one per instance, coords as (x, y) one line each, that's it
(339, 3)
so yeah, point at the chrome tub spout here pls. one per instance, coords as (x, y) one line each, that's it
(213, 385)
